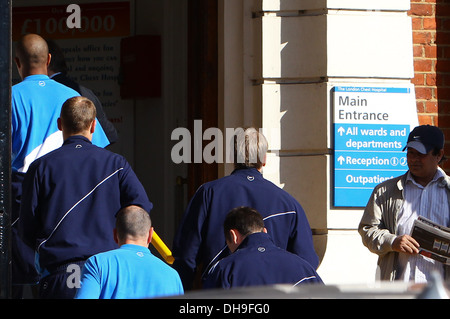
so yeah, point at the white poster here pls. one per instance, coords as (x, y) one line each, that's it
(92, 53)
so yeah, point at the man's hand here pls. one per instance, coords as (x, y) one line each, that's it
(406, 244)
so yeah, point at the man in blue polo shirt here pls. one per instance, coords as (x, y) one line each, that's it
(131, 271)
(255, 260)
(35, 106)
(200, 241)
(36, 103)
(70, 197)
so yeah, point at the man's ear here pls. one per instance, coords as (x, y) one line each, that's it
(94, 123)
(49, 58)
(116, 238)
(440, 155)
(234, 234)
(59, 124)
(234, 240)
(18, 64)
(19, 67)
(150, 236)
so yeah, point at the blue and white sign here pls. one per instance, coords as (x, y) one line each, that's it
(371, 127)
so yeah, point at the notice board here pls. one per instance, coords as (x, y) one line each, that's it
(371, 127)
(92, 53)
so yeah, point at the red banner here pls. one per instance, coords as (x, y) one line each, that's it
(98, 20)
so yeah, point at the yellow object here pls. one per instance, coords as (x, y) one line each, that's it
(162, 248)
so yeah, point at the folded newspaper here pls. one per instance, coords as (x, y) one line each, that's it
(434, 239)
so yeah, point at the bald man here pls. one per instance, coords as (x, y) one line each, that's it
(35, 107)
(36, 104)
(131, 271)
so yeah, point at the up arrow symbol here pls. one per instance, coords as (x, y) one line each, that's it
(341, 159)
(341, 130)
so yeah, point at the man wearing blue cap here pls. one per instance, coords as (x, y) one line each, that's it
(394, 205)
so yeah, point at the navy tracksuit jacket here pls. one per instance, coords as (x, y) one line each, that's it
(70, 199)
(257, 261)
(200, 238)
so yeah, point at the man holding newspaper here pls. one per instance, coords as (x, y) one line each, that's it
(388, 220)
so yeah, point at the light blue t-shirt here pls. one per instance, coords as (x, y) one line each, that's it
(35, 107)
(129, 272)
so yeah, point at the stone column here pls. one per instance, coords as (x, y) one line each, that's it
(308, 47)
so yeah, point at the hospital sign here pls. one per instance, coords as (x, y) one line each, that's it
(371, 126)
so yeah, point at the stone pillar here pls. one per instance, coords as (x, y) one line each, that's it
(308, 47)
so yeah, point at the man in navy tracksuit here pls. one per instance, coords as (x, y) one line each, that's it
(200, 241)
(70, 198)
(255, 260)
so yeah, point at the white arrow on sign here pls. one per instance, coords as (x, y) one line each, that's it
(341, 130)
(341, 159)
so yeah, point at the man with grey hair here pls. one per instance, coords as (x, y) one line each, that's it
(250, 148)
(200, 241)
(131, 271)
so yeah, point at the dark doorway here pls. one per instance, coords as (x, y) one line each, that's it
(202, 80)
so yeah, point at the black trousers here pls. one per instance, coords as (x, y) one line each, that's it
(62, 282)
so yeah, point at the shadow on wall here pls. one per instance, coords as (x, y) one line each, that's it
(442, 69)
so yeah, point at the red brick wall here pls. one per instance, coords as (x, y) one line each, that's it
(431, 38)
(425, 56)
